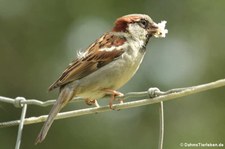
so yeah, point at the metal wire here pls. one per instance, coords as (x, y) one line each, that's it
(20, 129)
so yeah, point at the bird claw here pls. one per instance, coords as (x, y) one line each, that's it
(113, 94)
(92, 102)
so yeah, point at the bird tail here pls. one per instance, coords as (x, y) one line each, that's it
(66, 94)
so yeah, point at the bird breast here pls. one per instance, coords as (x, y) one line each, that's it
(111, 76)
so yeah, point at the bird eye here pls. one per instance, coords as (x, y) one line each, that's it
(143, 23)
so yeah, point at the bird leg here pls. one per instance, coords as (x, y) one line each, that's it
(113, 94)
(91, 102)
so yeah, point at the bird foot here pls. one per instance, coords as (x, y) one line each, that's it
(113, 94)
(92, 102)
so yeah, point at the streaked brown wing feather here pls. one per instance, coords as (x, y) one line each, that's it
(91, 62)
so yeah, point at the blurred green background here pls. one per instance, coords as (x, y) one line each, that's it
(38, 39)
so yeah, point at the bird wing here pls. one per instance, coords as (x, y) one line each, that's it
(106, 49)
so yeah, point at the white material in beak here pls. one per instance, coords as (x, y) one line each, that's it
(161, 31)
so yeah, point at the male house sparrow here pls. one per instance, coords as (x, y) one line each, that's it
(105, 65)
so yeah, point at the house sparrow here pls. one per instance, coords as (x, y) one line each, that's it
(105, 65)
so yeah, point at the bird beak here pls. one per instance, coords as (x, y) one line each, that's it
(153, 28)
(158, 30)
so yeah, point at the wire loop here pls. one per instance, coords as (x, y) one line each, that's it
(18, 102)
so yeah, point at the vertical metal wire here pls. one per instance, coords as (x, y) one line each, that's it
(20, 129)
(161, 123)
